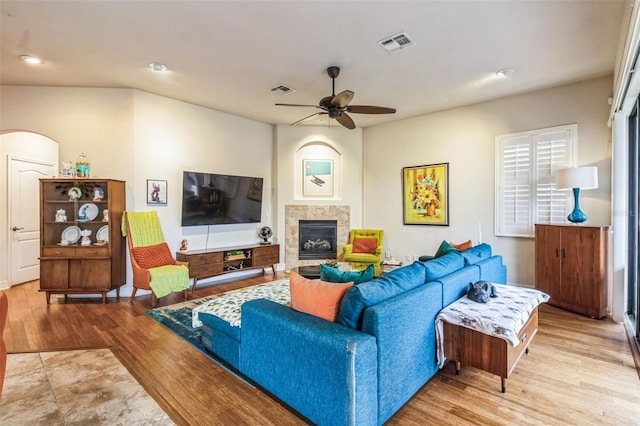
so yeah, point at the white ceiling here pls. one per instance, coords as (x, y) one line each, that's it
(227, 55)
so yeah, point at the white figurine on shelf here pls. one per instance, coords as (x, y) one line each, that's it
(61, 215)
(86, 237)
(98, 194)
(105, 215)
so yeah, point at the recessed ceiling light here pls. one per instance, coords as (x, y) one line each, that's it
(505, 72)
(157, 67)
(31, 60)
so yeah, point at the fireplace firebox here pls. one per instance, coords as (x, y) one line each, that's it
(317, 239)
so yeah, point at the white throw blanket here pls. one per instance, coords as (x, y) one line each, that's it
(502, 316)
(228, 306)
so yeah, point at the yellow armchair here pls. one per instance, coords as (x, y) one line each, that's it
(362, 251)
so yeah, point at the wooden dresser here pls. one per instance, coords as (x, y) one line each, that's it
(572, 266)
(211, 262)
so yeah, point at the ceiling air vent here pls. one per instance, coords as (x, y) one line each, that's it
(396, 43)
(282, 89)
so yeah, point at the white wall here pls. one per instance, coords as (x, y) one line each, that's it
(135, 136)
(291, 142)
(465, 138)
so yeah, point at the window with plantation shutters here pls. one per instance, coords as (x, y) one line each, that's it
(526, 164)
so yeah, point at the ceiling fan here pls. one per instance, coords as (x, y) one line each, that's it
(337, 106)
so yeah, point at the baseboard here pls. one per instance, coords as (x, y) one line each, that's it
(4, 285)
(633, 344)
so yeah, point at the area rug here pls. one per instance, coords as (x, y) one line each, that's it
(80, 387)
(178, 318)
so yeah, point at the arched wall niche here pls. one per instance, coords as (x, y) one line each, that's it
(328, 159)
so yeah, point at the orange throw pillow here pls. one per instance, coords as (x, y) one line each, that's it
(316, 297)
(462, 246)
(153, 256)
(365, 245)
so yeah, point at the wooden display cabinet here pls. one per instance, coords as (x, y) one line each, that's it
(77, 266)
(211, 262)
(572, 267)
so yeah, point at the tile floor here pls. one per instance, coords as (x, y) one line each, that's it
(80, 387)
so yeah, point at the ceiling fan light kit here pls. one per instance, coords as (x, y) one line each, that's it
(337, 106)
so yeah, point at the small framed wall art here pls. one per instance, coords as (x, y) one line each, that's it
(425, 195)
(317, 178)
(156, 192)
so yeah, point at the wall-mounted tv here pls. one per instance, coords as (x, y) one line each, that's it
(215, 199)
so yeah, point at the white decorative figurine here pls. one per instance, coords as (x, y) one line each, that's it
(86, 237)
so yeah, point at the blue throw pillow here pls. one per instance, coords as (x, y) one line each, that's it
(476, 254)
(444, 248)
(360, 297)
(335, 275)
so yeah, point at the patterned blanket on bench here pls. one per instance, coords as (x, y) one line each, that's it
(228, 306)
(502, 317)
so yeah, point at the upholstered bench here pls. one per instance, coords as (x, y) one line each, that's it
(221, 318)
(490, 336)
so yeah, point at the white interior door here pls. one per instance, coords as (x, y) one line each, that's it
(24, 221)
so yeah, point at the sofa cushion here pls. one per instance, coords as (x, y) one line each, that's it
(335, 275)
(476, 254)
(316, 297)
(153, 256)
(444, 248)
(442, 266)
(365, 245)
(361, 296)
(462, 246)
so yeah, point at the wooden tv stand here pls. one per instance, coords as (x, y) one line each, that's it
(211, 262)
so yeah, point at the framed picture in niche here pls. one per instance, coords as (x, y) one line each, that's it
(156, 192)
(317, 178)
(425, 195)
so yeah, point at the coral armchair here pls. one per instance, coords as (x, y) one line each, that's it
(154, 267)
(364, 249)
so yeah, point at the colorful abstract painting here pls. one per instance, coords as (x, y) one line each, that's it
(426, 195)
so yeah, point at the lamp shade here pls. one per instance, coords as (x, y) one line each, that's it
(577, 177)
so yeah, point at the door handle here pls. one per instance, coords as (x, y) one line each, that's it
(15, 228)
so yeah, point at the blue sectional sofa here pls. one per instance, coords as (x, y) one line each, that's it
(366, 366)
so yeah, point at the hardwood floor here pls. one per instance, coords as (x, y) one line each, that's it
(578, 371)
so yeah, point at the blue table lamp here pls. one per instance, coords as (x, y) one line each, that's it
(577, 178)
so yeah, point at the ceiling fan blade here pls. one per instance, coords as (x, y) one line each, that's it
(342, 99)
(368, 109)
(298, 105)
(309, 116)
(346, 121)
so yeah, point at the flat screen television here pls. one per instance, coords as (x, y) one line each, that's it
(214, 199)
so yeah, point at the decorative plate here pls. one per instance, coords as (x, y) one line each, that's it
(103, 234)
(89, 211)
(74, 193)
(71, 234)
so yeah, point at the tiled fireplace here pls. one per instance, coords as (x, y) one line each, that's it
(321, 215)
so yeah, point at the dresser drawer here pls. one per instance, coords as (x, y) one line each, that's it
(63, 252)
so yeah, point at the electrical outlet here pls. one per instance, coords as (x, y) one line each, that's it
(386, 255)
(408, 257)
(416, 257)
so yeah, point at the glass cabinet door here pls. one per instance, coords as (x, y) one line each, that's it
(75, 213)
